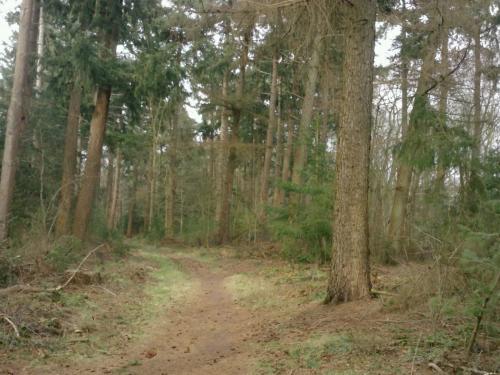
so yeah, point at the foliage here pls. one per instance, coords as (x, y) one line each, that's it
(305, 230)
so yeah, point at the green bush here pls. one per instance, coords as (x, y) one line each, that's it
(305, 229)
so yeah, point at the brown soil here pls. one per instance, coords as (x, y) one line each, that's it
(207, 335)
(212, 332)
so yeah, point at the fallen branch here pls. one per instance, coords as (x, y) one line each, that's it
(107, 290)
(383, 293)
(435, 367)
(12, 324)
(469, 369)
(78, 268)
(32, 289)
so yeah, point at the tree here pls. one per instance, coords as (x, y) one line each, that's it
(111, 18)
(17, 113)
(350, 272)
(417, 127)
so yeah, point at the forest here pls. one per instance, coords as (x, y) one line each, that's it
(250, 187)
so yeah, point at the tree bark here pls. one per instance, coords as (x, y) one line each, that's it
(474, 178)
(109, 184)
(350, 272)
(171, 186)
(287, 159)
(40, 50)
(222, 152)
(16, 116)
(223, 233)
(300, 157)
(156, 114)
(405, 169)
(278, 165)
(91, 174)
(131, 205)
(70, 159)
(443, 99)
(264, 187)
(115, 193)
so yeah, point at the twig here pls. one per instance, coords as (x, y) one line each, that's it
(107, 290)
(12, 324)
(384, 293)
(78, 268)
(415, 354)
(435, 367)
(469, 369)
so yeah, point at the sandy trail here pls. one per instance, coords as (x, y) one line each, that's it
(206, 335)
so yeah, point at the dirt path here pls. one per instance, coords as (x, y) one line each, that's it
(206, 335)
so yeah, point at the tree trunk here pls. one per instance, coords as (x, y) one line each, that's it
(287, 159)
(171, 186)
(278, 165)
(70, 159)
(405, 169)
(109, 184)
(40, 50)
(300, 157)
(115, 193)
(350, 272)
(222, 152)
(264, 187)
(474, 179)
(16, 116)
(92, 171)
(90, 177)
(156, 114)
(223, 234)
(131, 205)
(443, 100)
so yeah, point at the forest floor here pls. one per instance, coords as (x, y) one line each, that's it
(192, 311)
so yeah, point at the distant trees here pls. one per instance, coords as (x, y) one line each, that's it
(290, 107)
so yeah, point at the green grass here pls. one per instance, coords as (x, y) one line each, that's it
(169, 282)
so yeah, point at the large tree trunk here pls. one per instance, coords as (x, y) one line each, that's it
(90, 178)
(70, 159)
(264, 186)
(405, 169)
(223, 233)
(300, 157)
(350, 271)
(91, 174)
(16, 115)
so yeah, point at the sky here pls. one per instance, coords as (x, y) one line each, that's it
(383, 50)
